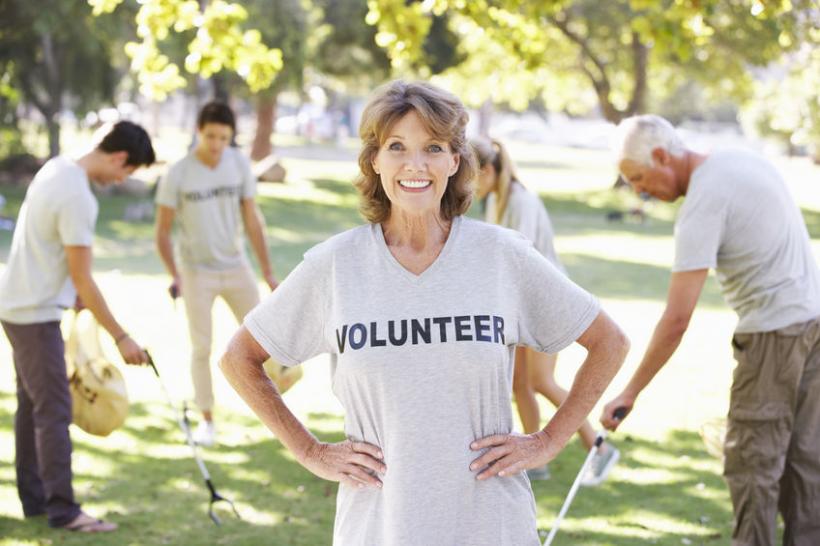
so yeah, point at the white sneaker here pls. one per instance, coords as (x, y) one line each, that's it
(600, 466)
(205, 434)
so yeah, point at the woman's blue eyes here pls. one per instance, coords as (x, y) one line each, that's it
(433, 148)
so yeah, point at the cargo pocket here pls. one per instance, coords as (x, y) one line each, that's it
(757, 436)
(747, 370)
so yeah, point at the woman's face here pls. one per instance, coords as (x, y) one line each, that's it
(414, 166)
(486, 180)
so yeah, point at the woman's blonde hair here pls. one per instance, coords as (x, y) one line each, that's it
(492, 152)
(443, 116)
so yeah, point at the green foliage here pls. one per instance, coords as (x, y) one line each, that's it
(283, 24)
(787, 108)
(218, 42)
(440, 46)
(578, 53)
(55, 56)
(343, 46)
(11, 141)
(43, 58)
(347, 45)
(402, 28)
(692, 101)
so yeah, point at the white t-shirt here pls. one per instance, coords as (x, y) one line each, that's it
(739, 218)
(59, 210)
(207, 203)
(527, 215)
(422, 365)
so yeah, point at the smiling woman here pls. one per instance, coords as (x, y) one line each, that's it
(413, 136)
(421, 310)
(414, 166)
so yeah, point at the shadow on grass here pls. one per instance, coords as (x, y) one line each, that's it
(668, 492)
(619, 279)
(342, 188)
(586, 213)
(661, 492)
(150, 485)
(305, 223)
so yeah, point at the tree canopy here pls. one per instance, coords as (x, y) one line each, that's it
(217, 42)
(786, 105)
(617, 55)
(52, 65)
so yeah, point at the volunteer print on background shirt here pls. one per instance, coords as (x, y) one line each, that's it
(422, 365)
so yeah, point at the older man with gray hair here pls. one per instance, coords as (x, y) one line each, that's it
(739, 218)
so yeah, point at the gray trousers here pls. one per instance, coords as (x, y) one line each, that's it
(42, 441)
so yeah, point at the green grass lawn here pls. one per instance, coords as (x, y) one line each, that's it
(667, 489)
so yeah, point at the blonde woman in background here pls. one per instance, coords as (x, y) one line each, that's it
(512, 205)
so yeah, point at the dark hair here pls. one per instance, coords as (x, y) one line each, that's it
(443, 116)
(129, 137)
(216, 112)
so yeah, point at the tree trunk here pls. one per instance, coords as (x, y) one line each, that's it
(53, 135)
(640, 89)
(220, 88)
(47, 108)
(608, 110)
(54, 94)
(200, 99)
(640, 86)
(265, 121)
(485, 114)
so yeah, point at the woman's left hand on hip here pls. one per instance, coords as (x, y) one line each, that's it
(509, 454)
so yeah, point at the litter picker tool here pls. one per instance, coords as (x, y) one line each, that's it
(619, 414)
(185, 425)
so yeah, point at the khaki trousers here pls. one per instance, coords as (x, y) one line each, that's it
(199, 290)
(773, 438)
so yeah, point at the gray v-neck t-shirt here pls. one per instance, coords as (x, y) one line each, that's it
(423, 365)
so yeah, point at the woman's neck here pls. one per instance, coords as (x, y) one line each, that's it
(416, 232)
